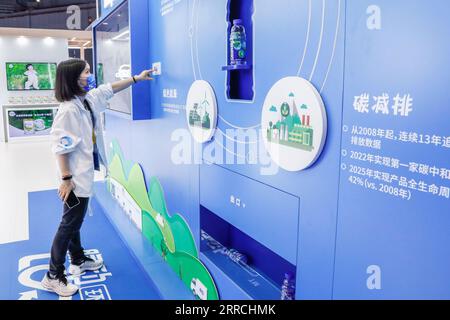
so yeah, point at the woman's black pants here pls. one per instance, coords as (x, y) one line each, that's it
(67, 238)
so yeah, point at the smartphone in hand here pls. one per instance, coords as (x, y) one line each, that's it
(72, 201)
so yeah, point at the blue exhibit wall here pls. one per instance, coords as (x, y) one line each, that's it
(405, 240)
(341, 231)
(281, 36)
(191, 42)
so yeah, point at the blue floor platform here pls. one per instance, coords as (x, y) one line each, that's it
(131, 267)
(169, 286)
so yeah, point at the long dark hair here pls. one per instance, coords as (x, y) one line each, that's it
(67, 75)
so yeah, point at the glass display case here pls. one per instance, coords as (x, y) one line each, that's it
(121, 49)
(113, 55)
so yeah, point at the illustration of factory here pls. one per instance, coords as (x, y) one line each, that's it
(199, 116)
(291, 130)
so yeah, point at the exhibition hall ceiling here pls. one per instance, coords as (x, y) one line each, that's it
(48, 14)
(20, 5)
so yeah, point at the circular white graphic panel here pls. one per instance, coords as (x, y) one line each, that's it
(201, 111)
(294, 123)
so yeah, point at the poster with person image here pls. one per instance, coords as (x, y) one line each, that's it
(30, 76)
(30, 122)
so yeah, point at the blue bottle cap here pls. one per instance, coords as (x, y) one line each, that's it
(237, 21)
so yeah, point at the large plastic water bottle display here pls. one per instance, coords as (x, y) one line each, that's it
(288, 287)
(238, 43)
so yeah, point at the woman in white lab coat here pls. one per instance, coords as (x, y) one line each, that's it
(77, 142)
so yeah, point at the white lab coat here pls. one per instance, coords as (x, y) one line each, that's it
(72, 134)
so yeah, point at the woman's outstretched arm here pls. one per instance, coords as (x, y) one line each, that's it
(123, 84)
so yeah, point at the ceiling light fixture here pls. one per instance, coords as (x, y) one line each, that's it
(49, 41)
(22, 40)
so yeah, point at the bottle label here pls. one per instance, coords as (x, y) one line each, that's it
(238, 47)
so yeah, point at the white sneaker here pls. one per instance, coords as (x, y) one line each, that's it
(88, 265)
(59, 285)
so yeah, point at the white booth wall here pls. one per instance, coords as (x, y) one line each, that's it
(29, 49)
